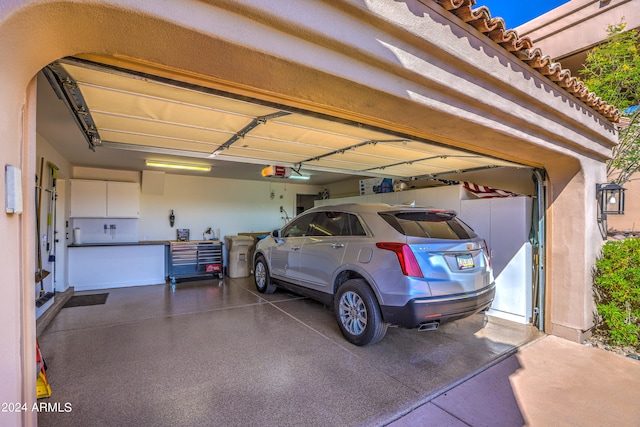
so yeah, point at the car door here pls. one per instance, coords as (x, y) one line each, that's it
(285, 254)
(323, 250)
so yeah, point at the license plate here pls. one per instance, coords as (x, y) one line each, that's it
(465, 262)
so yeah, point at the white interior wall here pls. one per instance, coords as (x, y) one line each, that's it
(227, 206)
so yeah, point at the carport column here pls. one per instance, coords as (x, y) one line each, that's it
(573, 244)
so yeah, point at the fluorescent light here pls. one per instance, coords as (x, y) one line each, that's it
(299, 177)
(183, 166)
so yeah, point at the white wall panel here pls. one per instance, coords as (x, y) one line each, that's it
(227, 206)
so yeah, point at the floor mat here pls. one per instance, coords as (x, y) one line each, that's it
(84, 300)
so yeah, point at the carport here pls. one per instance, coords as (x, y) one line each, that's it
(428, 93)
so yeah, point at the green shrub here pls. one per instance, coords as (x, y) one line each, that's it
(617, 292)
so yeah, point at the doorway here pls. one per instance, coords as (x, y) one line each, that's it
(305, 201)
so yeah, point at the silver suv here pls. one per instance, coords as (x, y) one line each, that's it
(377, 264)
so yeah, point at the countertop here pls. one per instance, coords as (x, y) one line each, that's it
(138, 243)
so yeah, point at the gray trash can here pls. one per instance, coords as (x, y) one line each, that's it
(238, 262)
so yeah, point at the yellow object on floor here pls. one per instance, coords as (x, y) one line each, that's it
(42, 384)
(43, 389)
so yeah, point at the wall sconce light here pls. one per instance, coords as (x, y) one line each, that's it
(610, 198)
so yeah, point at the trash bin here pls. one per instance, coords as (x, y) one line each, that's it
(239, 264)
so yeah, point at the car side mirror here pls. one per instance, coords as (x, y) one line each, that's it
(277, 235)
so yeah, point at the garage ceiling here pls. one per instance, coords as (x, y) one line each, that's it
(164, 120)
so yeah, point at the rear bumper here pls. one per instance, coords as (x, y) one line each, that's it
(439, 309)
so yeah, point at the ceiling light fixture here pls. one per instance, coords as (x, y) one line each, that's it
(172, 165)
(299, 177)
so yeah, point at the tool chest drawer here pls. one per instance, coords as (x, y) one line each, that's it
(195, 259)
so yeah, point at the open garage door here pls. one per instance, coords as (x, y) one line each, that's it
(117, 109)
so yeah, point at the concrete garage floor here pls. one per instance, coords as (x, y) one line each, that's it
(216, 352)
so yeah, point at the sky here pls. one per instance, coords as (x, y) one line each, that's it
(515, 12)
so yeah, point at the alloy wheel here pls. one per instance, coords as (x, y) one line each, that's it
(353, 313)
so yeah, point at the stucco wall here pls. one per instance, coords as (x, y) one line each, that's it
(579, 25)
(630, 221)
(406, 66)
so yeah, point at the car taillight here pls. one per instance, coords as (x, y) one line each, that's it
(486, 251)
(407, 259)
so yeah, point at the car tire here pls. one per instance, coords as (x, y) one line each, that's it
(358, 314)
(264, 285)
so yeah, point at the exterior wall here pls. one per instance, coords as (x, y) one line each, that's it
(575, 27)
(630, 221)
(566, 34)
(406, 66)
(571, 248)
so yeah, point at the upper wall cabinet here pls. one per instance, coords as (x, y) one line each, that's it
(104, 199)
(123, 199)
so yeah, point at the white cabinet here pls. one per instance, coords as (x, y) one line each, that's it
(115, 266)
(123, 199)
(104, 199)
(505, 223)
(88, 199)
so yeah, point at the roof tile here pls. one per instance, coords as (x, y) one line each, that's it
(522, 48)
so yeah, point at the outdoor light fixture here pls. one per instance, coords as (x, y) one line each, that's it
(172, 165)
(610, 198)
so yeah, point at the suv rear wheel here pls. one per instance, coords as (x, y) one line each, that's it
(358, 314)
(262, 277)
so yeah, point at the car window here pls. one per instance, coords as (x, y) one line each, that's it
(327, 224)
(298, 227)
(355, 227)
(434, 224)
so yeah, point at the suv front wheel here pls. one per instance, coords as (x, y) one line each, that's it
(262, 277)
(358, 314)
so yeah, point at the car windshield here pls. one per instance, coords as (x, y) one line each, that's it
(434, 224)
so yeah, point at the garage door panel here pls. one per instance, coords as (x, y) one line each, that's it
(275, 130)
(156, 141)
(356, 157)
(267, 157)
(127, 105)
(280, 146)
(339, 164)
(452, 163)
(165, 130)
(407, 171)
(333, 128)
(109, 81)
(392, 153)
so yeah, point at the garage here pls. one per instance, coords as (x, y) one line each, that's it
(137, 120)
(422, 119)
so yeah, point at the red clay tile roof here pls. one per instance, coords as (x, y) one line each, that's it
(522, 47)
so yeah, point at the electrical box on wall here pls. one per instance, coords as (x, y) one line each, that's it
(13, 189)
